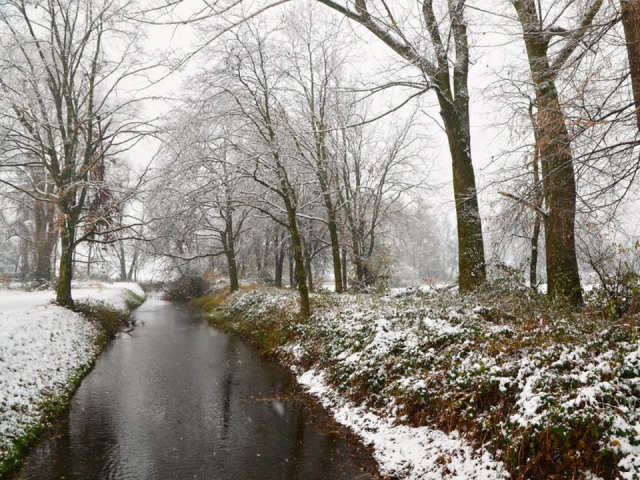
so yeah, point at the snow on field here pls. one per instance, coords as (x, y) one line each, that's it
(41, 348)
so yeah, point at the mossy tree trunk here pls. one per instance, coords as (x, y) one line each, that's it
(300, 273)
(229, 248)
(554, 145)
(631, 24)
(65, 275)
(471, 262)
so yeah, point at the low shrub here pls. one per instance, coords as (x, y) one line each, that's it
(186, 288)
(210, 302)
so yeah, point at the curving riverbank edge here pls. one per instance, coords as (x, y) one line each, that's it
(268, 320)
(445, 386)
(45, 353)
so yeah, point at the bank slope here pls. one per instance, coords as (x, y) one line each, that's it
(45, 350)
(446, 386)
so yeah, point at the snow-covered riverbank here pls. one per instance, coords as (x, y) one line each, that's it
(454, 387)
(44, 349)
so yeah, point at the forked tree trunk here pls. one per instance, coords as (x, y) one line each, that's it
(631, 24)
(556, 159)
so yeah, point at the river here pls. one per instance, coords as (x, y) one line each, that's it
(178, 399)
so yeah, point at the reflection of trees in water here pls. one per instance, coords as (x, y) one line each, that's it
(178, 405)
(297, 441)
(70, 452)
(227, 386)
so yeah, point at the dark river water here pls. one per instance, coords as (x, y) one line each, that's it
(180, 400)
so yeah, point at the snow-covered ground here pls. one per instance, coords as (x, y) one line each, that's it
(420, 453)
(42, 347)
(502, 371)
(401, 451)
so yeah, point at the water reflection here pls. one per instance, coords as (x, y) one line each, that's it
(180, 400)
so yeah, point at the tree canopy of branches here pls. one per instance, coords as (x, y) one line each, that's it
(63, 62)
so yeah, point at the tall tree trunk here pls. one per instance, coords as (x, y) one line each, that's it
(132, 267)
(63, 287)
(279, 260)
(563, 279)
(24, 256)
(256, 250)
(45, 239)
(298, 257)
(234, 284)
(335, 255)
(471, 263)
(292, 279)
(307, 262)
(358, 263)
(344, 269)
(533, 262)
(89, 257)
(538, 202)
(323, 180)
(556, 159)
(631, 24)
(230, 251)
(123, 261)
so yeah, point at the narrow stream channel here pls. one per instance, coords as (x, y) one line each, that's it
(179, 400)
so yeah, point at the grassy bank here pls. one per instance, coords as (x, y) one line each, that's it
(106, 321)
(548, 392)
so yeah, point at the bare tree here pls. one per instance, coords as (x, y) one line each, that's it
(317, 60)
(197, 205)
(438, 51)
(446, 72)
(376, 173)
(58, 84)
